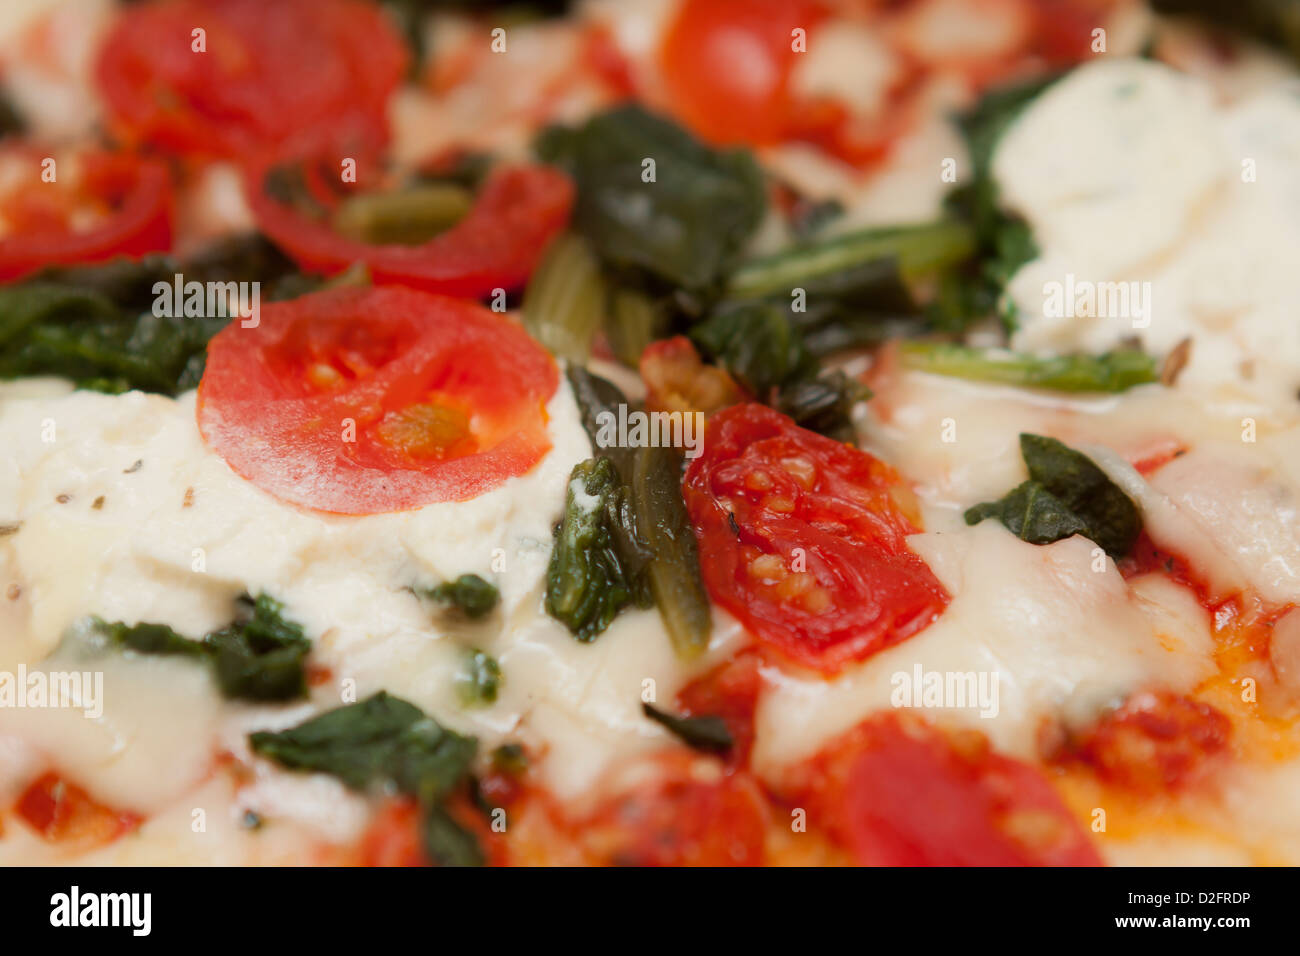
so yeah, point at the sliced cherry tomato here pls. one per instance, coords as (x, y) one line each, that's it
(368, 400)
(1156, 742)
(726, 65)
(676, 808)
(267, 71)
(677, 380)
(62, 812)
(804, 540)
(517, 212)
(127, 201)
(898, 792)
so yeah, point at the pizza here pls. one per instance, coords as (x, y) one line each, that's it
(651, 433)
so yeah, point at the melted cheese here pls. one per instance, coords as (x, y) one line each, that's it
(1128, 172)
(165, 532)
(1060, 638)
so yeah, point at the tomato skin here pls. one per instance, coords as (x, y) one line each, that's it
(61, 812)
(898, 792)
(497, 245)
(1157, 742)
(269, 72)
(275, 401)
(726, 65)
(680, 810)
(803, 539)
(140, 192)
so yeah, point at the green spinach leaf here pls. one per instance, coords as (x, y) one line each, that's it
(688, 225)
(1066, 494)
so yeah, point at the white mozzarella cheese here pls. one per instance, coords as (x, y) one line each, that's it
(1057, 638)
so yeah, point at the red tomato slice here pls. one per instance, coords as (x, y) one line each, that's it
(129, 198)
(898, 792)
(804, 540)
(675, 808)
(361, 401)
(726, 67)
(62, 812)
(517, 212)
(1155, 743)
(268, 71)
(729, 691)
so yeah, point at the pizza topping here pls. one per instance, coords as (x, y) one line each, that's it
(626, 536)
(386, 740)
(265, 73)
(1111, 372)
(102, 205)
(897, 792)
(360, 401)
(1157, 742)
(260, 656)
(676, 808)
(495, 245)
(684, 219)
(707, 734)
(468, 595)
(1066, 494)
(62, 812)
(821, 570)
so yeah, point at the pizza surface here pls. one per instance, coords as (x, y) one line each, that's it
(660, 432)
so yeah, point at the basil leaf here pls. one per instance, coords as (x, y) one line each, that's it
(469, 594)
(1066, 494)
(259, 656)
(380, 740)
(688, 226)
(262, 657)
(447, 843)
(709, 734)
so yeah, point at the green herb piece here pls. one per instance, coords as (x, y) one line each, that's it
(859, 262)
(478, 679)
(259, 656)
(687, 225)
(408, 216)
(564, 302)
(1110, 372)
(510, 758)
(673, 573)
(1066, 494)
(1003, 243)
(634, 321)
(708, 734)
(386, 741)
(588, 582)
(469, 594)
(262, 656)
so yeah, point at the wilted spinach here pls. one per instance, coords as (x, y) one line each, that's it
(1066, 494)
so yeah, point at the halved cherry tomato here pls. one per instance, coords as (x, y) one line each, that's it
(676, 808)
(898, 792)
(804, 540)
(368, 400)
(726, 65)
(1156, 742)
(267, 71)
(127, 201)
(517, 212)
(62, 812)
